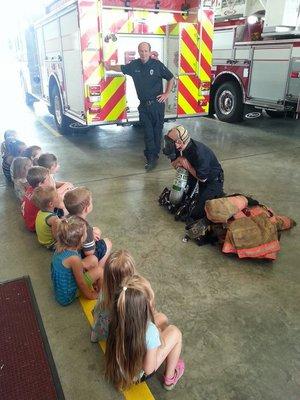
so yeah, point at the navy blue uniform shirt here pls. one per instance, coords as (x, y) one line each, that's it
(147, 77)
(203, 159)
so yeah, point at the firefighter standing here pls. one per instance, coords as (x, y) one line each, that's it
(202, 165)
(147, 74)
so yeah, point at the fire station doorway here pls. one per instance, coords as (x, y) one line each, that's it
(162, 48)
(128, 51)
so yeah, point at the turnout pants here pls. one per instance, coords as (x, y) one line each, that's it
(207, 191)
(152, 118)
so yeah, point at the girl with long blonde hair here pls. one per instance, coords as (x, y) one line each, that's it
(119, 266)
(19, 169)
(135, 347)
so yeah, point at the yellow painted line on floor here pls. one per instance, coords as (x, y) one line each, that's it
(136, 392)
(47, 126)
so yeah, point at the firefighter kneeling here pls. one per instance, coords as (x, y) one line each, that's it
(240, 224)
(199, 175)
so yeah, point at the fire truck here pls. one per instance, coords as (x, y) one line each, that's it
(256, 66)
(64, 54)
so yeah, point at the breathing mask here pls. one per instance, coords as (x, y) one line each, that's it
(169, 149)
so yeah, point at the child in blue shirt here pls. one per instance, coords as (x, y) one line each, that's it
(11, 148)
(135, 348)
(69, 272)
(9, 135)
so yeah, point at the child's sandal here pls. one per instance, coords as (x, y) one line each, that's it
(169, 383)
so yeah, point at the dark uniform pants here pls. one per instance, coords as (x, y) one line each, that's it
(152, 118)
(207, 191)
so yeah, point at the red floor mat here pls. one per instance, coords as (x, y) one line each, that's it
(27, 369)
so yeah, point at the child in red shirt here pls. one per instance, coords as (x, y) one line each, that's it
(37, 176)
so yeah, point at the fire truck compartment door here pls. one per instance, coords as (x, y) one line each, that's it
(50, 52)
(269, 73)
(52, 41)
(43, 67)
(190, 98)
(293, 92)
(71, 55)
(33, 64)
(173, 65)
(223, 44)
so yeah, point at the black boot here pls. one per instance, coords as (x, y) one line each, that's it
(150, 164)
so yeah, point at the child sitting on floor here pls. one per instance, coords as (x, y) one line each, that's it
(49, 161)
(135, 348)
(46, 199)
(9, 135)
(119, 265)
(13, 149)
(69, 272)
(33, 153)
(19, 171)
(79, 202)
(36, 176)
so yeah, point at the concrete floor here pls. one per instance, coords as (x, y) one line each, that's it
(240, 319)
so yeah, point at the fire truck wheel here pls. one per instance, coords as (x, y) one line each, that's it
(228, 102)
(62, 121)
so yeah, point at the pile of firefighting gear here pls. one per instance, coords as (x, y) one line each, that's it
(241, 226)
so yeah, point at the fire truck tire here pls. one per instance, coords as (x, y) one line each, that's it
(62, 121)
(275, 114)
(228, 102)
